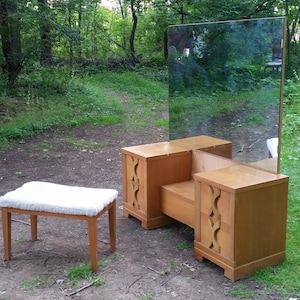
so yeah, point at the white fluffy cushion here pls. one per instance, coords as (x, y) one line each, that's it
(57, 198)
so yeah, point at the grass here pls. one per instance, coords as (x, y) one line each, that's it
(90, 100)
(84, 271)
(128, 98)
(85, 145)
(33, 283)
(243, 292)
(44, 146)
(147, 295)
(184, 245)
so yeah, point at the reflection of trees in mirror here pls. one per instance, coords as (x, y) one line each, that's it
(229, 56)
(218, 84)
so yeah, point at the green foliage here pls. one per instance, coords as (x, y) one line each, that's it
(33, 283)
(86, 100)
(84, 271)
(85, 145)
(134, 83)
(162, 122)
(84, 31)
(43, 108)
(184, 245)
(44, 146)
(291, 108)
(153, 73)
(243, 292)
(147, 295)
(36, 82)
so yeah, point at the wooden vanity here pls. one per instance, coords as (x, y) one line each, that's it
(238, 211)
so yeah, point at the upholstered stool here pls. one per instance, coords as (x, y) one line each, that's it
(48, 199)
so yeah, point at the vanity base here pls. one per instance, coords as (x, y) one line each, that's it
(231, 271)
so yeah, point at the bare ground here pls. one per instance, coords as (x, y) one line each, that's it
(147, 263)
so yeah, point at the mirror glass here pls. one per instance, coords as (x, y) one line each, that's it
(225, 81)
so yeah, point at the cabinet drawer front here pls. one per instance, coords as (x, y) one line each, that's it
(135, 182)
(216, 215)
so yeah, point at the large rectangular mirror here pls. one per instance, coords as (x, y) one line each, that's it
(226, 81)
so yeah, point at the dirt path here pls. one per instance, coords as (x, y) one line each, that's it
(146, 265)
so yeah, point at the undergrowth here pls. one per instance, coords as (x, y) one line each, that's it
(82, 100)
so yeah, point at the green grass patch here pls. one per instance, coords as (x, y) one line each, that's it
(44, 146)
(148, 295)
(132, 83)
(21, 240)
(84, 271)
(184, 245)
(166, 234)
(117, 256)
(162, 122)
(101, 99)
(243, 292)
(33, 283)
(85, 145)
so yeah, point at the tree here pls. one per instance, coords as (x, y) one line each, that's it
(45, 33)
(134, 7)
(11, 40)
(292, 12)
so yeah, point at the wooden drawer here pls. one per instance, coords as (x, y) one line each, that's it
(215, 215)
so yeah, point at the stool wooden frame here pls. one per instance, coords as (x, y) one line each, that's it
(92, 228)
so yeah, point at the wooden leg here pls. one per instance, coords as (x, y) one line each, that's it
(6, 227)
(33, 225)
(112, 226)
(93, 234)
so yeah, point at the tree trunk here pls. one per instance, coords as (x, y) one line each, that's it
(123, 15)
(46, 57)
(11, 40)
(71, 51)
(79, 28)
(133, 30)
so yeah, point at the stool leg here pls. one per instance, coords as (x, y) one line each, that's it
(6, 227)
(112, 226)
(93, 239)
(33, 225)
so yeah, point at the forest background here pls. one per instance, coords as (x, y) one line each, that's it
(111, 34)
(49, 46)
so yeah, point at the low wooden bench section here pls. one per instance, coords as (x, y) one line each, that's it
(55, 200)
(178, 199)
(178, 202)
